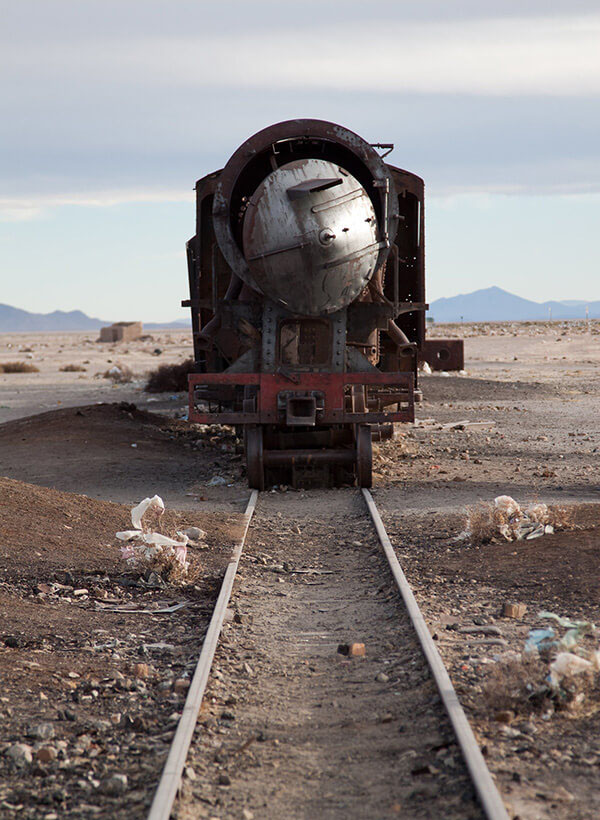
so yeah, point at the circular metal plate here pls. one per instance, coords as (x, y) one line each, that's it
(254, 153)
(310, 237)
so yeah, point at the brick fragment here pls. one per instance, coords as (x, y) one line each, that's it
(514, 610)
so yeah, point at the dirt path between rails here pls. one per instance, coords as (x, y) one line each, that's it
(292, 728)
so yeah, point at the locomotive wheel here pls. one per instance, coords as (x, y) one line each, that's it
(364, 456)
(253, 443)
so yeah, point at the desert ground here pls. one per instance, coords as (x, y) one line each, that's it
(94, 673)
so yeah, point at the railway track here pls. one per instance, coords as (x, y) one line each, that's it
(294, 728)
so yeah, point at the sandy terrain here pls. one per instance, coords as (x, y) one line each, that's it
(25, 394)
(528, 407)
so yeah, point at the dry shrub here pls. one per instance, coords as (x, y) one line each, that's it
(170, 378)
(18, 367)
(517, 685)
(486, 522)
(171, 570)
(483, 522)
(73, 368)
(561, 518)
(119, 374)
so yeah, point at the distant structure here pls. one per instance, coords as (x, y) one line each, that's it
(121, 332)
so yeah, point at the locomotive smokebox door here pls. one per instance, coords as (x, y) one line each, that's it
(310, 237)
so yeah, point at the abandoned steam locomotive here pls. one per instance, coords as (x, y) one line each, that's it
(307, 296)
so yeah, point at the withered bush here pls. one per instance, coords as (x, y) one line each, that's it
(170, 378)
(517, 685)
(487, 523)
(119, 373)
(18, 367)
(73, 368)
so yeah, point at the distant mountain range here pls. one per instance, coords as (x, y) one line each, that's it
(497, 305)
(15, 320)
(487, 305)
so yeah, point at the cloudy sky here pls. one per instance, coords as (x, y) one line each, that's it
(111, 109)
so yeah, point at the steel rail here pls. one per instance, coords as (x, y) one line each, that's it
(488, 794)
(167, 788)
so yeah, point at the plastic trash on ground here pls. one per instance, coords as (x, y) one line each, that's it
(567, 664)
(506, 518)
(539, 639)
(148, 504)
(146, 549)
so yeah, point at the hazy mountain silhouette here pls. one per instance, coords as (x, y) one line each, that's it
(15, 320)
(497, 305)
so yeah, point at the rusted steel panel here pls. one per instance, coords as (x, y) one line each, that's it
(331, 385)
(443, 354)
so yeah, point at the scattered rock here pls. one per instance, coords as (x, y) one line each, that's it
(181, 686)
(141, 671)
(115, 785)
(504, 716)
(381, 677)
(46, 754)
(352, 650)
(20, 754)
(516, 611)
(194, 533)
(224, 779)
(41, 731)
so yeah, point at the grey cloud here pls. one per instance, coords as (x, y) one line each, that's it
(455, 142)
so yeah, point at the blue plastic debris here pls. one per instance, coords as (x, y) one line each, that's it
(539, 639)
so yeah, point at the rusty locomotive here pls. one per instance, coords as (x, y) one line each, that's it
(307, 295)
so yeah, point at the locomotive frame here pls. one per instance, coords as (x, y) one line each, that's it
(309, 391)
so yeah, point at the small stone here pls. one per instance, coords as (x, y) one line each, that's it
(194, 533)
(141, 671)
(228, 616)
(46, 754)
(20, 754)
(181, 686)
(190, 773)
(248, 669)
(352, 650)
(115, 718)
(42, 731)
(516, 611)
(247, 814)
(504, 716)
(79, 592)
(381, 677)
(116, 784)
(227, 715)
(224, 779)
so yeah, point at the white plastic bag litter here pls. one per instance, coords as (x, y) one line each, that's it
(128, 535)
(163, 540)
(507, 505)
(566, 663)
(152, 546)
(138, 512)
